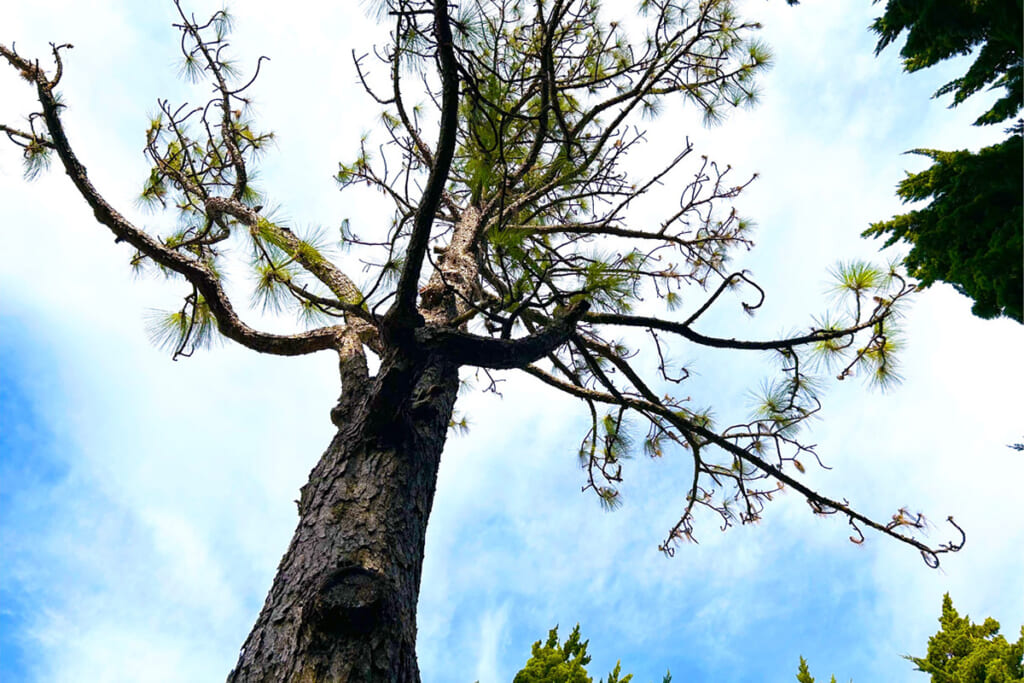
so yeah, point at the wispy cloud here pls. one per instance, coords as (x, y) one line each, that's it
(150, 501)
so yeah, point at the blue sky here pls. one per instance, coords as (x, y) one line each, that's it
(140, 534)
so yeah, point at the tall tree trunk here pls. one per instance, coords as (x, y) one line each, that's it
(343, 603)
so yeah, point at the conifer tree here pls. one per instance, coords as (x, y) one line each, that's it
(965, 652)
(513, 246)
(803, 674)
(969, 235)
(558, 663)
(566, 662)
(962, 652)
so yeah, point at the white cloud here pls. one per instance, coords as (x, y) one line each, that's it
(492, 627)
(177, 505)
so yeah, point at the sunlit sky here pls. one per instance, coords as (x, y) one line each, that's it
(145, 503)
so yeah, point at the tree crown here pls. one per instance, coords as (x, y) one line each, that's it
(937, 31)
(515, 240)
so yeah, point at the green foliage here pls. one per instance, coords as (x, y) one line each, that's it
(554, 663)
(270, 292)
(860, 287)
(970, 233)
(803, 674)
(565, 663)
(184, 331)
(780, 404)
(963, 652)
(940, 29)
(535, 137)
(37, 158)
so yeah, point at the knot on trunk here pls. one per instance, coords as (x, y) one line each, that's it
(349, 601)
(341, 412)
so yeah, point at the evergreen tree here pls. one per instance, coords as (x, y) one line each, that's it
(512, 246)
(803, 674)
(970, 234)
(554, 663)
(964, 652)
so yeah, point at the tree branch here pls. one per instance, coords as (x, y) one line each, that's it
(684, 330)
(13, 133)
(349, 296)
(404, 308)
(819, 503)
(501, 354)
(196, 272)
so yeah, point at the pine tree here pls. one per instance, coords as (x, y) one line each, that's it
(970, 234)
(503, 142)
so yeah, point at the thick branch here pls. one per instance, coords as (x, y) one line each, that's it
(501, 354)
(405, 296)
(228, 322)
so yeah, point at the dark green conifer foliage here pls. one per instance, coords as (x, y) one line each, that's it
(970, 233)
(940, 29)
(963, 652)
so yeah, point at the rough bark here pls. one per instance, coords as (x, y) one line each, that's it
(343, 603)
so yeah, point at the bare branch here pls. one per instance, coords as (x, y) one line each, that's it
(819, 503)
(684, 330)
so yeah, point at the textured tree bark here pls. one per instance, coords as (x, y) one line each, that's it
(343, 603)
